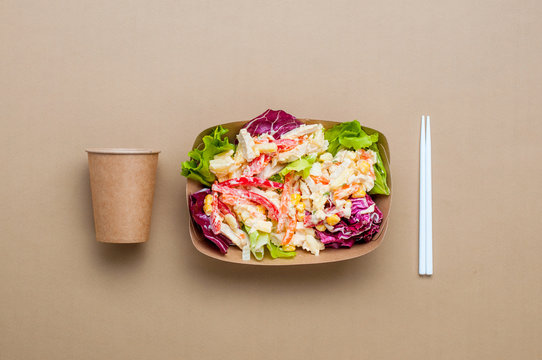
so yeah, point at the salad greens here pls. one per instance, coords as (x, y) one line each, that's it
(302, 165)
(258, 240)
(277, 252)
(277, 178)
(197, 168)
(381, 186)
(360, 226)
(195, 206)
(350, 135)
(243, 205)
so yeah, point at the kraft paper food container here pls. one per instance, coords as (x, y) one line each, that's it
(122, 185)
(303, 257)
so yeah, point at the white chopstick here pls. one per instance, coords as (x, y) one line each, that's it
(428, 202)
(422, 264)
(426, 217)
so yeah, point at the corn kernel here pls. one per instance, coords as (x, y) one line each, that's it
(208, 204)
(288, 247)
(300, 216)
(260, 208)
(296, 198)
(208, 199)
(321, 227)
(359, 194)
(300, 206)
(364, 167)
(333, 219)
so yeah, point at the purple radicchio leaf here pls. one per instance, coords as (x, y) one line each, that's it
(359, 227)
(273, 122)
(204, 222)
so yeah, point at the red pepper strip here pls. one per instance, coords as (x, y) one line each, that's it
(216, 219)
(224, 209)
(233, 200)
(285, 201)
(257, 165)
(286, 144)
(290, 231)
(272, 210)
(252, 181)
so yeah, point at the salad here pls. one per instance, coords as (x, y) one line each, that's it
(284, 186)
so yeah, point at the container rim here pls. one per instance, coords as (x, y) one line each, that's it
(122, 151)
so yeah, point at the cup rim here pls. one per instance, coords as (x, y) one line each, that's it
(122, 151)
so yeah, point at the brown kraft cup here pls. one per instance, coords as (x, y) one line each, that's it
(122, 183)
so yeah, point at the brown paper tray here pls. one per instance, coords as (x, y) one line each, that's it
(303, 257)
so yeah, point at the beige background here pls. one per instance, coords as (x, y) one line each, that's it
(98, 73)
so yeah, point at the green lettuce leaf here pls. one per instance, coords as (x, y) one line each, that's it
(381, 186)
(277, 178)
(349, 135)
(258, 240)
(197, 167)
(277, 252)
(302, 165)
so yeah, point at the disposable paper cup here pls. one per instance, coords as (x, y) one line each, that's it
(122, 185)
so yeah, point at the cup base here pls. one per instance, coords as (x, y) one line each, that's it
(122, 241)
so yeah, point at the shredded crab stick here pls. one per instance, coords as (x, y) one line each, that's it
(320, 179)
(229, 218)
(257, 165)
(284, 145)
(272, 210)
(232, 200)
(261, 141)
(345, 191)
(284, 201)
(252, 181)
(307, 221)
(364, 155)
(290, 229)
(216, 219)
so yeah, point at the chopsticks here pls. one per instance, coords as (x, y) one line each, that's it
(426, 205)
